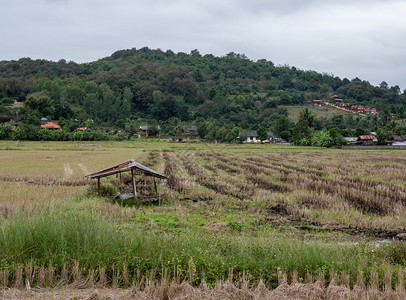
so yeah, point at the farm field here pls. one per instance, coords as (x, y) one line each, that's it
(244, 213)
(320, 112)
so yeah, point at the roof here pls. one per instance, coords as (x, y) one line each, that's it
(124, 167)
(51, 125)
(190, 128)
(249, 133)
(44, 121)
(269, 134)
(398, 138)
(146, 127)
(367, 137)
(83, 129)
(351, 139)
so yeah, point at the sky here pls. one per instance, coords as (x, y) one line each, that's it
(346, 38)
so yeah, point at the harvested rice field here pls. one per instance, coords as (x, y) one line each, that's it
(248, 219)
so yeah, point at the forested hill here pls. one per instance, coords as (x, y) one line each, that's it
(154, 85)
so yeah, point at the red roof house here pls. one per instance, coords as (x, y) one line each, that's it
(51, 125)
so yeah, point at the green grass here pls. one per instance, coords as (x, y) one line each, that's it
(44, 221)
(320, 112)
(75, 231)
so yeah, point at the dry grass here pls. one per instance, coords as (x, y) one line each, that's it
(338, 288)
(247, 188)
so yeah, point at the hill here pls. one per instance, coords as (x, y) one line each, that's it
(156, 86)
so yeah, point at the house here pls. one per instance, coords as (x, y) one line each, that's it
(144, 128)
(367, 140)
(336, 98)
(84, 129)
(397, 140)
(250, 135)
(269, 137)
(280, 141)
(189, 129)
(318, 102)
(51, 125)
(44, 121)
(351, 140)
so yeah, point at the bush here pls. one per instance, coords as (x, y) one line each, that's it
(322, 139)
(33, 133)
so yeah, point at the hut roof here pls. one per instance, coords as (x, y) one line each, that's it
(249, 133)
(51, 125)
(124, 167)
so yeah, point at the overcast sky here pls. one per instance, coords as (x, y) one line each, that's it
(347, 38)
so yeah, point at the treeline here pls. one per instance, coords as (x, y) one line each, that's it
(156, 86)
(17, 133)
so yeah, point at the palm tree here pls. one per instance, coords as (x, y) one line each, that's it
(307, 117)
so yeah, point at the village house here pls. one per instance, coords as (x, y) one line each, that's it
(367, 140)
(397, 140)
(251, 136)
(318, 102)
(49, 125)
(189, 128)
(336, 98)
(144, 128)
(351, 140)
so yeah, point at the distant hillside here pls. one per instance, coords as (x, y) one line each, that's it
(152, 85)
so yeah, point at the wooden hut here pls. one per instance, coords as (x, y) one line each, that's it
(128, 166)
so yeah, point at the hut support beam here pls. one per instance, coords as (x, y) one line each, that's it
(134, 183)
(98, 185)
(156, 189)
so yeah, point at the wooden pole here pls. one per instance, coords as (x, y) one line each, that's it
(98, 185)
(134, 183)
(156, 190)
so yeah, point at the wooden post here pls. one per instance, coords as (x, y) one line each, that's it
(156, 190)
(98, 185)
(134, 183)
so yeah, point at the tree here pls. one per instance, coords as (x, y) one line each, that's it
(383, 85)
(42, 104)
(307, 117)
(283, 127)
(262, 135)
(108, 105)
(385, 116)
(232, 136)
(301, 133)
(120, 123)
(322, 138)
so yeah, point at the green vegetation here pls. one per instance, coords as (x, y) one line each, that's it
(226, 211)
(151, 87)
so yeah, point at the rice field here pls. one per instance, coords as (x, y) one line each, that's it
(226, 212)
